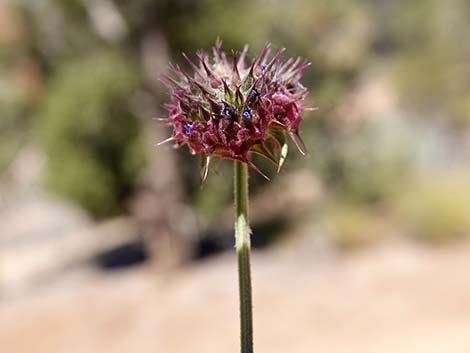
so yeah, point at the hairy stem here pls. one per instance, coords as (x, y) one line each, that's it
(242, 237)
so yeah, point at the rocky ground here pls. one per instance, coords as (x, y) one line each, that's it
(392, 298)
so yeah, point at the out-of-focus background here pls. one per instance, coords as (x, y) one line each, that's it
(108, 244)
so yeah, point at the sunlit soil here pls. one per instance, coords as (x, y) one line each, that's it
(396, 298)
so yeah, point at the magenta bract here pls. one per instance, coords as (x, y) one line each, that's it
(228, 109)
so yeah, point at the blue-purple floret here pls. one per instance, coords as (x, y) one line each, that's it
(188, 129)
(247, 113)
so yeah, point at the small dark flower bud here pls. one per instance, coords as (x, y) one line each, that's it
(225, 111)
(253, 97)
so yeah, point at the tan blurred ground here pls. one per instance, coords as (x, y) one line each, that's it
(395, 298)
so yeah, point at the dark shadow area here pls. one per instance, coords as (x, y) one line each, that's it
(265, 234)
(131, 254)
(216, 242)
(213, 242)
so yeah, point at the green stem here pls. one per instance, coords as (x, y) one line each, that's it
(242, 236)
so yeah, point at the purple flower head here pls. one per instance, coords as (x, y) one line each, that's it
(229, 109)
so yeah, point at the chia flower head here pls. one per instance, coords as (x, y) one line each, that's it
(229, 109)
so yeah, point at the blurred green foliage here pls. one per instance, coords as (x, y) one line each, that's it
(353, 225)
(435, 207)
(431, 66)
(372, 162)
(90, 135)
(78, 107)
